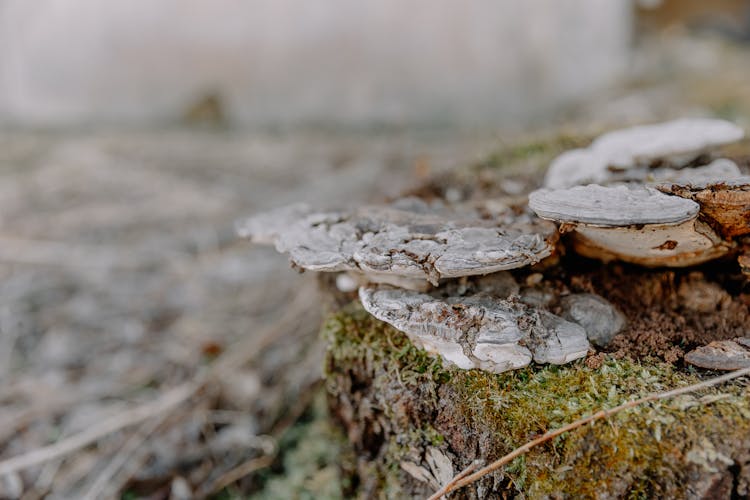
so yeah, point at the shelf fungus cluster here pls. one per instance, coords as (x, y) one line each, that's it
(651, 195)
(439, 272)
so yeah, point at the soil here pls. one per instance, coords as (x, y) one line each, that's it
(669, 312)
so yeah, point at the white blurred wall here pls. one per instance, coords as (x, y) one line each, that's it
(288, 61)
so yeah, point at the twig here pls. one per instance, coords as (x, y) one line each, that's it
(457, 483)
(242, 470)
(468, 470)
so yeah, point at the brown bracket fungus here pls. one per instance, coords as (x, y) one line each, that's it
(722, 355)
(474, 327)
(409, 243)
(635, 224)
(724, 203)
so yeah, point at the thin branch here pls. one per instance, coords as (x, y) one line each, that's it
(457, 483)
(243, 470)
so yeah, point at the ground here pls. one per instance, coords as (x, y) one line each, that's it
(122, 278)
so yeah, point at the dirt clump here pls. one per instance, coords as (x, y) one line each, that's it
(669, 312)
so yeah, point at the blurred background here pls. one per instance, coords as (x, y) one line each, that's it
(144, 351)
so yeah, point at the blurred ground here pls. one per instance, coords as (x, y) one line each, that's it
(143, 349)
(121, 277)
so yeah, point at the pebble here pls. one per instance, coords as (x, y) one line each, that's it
(601, 320)
(722, 355)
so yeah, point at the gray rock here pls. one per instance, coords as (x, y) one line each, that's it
(601, 320)
(557, 341)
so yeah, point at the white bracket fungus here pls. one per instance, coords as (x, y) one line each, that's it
(475, 328)
(611, 155)
(408, 242)
(635, 224)
(646, 201)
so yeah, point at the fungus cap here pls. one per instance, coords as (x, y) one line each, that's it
(635, 224)
(411, 240)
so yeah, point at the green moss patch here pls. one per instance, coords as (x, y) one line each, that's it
(394, 400)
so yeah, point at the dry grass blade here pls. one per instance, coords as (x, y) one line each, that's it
(104, 479)
(458, 482)
(166, 402)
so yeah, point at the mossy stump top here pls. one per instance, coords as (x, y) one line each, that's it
(397, 403)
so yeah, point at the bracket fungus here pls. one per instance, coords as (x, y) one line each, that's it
(475, 328)
(611, 156)
(648, 199)
(650, 196)
(407, 243)
(636, 224)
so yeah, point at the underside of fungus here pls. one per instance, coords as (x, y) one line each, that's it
(635, 224)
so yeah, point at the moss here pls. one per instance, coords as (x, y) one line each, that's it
(536, 150)
(311, 452)
(413, 401)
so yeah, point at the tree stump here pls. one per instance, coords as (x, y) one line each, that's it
(412, 421)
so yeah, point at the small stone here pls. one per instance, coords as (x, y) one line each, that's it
(537, 296)
(534, 279)
(180, 489)
(601, 320)
(345, 282)
(559, 342)
(744, 262)
(721, 355)
(697, 294)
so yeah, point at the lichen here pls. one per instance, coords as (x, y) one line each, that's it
(399, 399)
